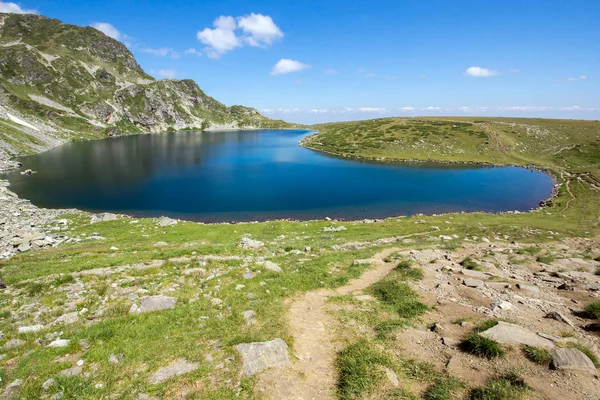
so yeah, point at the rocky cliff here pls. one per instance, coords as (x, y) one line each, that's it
(62, 82)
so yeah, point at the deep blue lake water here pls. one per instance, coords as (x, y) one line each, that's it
(257, 175)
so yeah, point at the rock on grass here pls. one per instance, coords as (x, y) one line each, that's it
(258, 356)
(176, 368)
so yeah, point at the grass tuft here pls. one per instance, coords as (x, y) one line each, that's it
(482, 346)
(469, 263)
(538, 355)
(593, 309)
(405, 272)
(485, 325)
(359, 367)
(442, 389)
(507, 387)
(400, 297)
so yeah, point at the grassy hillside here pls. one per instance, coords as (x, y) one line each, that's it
(571, 145)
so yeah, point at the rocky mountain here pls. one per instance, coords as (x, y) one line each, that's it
(61, 82)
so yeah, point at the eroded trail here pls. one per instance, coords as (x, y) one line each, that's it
(312, 375)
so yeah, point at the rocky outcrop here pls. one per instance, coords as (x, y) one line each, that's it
(59, 82)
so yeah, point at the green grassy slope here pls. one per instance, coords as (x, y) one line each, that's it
(201, 330)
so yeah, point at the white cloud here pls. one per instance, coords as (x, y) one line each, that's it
(330, 71)
(107, 29)
(525, 108)
(13, 8)
(166, 73)
(285, 66)
(479, 72)
(260, 30)
(221, 39)
(370, 74)
(407, 109)
(577, 78)
(430, 108)
(230, 33)
(514, 70)
(371, 109)
(193, 51)
(391, 77)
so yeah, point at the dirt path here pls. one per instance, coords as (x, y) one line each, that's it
(312, 376)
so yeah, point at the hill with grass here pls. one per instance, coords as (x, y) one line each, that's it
(454, 306)
(60, 82)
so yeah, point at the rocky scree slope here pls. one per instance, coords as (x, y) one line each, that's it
(61, 82)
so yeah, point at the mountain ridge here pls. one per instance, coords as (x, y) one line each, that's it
(61, 82)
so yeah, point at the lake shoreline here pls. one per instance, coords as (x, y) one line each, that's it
(20, 213)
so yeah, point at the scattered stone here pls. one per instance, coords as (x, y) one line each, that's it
(247, 243)
(195, 271)
(166, 221)
(571, 359)
(216, 302)
(502, 305)
(559, 317)
(239, 287)
(12, 390)
(161, 244)
(32, 328)
(103, 217)
(271, 266)
(367, 261)
(67, 319)
(60, 343)
(258, 356)
(176, 368)
(506, 333)
(249, 316)
(334, 228)
(530, 288)
(156, 303)
(474, 274)
(474, 283)
(565, 286)
(73, 371)
(48, 384)
(391, 377)
(14, 343)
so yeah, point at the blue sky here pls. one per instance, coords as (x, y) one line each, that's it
(316, 61)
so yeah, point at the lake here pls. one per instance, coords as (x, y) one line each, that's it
(258, 175)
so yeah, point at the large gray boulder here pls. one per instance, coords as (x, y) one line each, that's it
(506, 333)
(176, 368)
(474, 283)
(570, 359)
(155, 303)
(247, 243)
(271, 266)
(262, 355)
(103, 217)
(166, 221)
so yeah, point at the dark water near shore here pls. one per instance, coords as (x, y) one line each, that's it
(255, 175)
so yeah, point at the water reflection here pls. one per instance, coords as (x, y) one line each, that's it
(250, 175)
